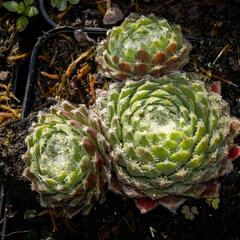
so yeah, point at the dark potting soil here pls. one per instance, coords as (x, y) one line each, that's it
(58, 72)
(214, 31)
(85, 14)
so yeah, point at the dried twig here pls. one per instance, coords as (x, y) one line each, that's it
(86, 55)
(92, 81)
(83, 71)
(210, 75)
(18, 57)
(221, 52)
(52, 216)
(63, 13)
(50, 75)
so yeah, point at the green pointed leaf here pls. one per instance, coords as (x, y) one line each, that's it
(215, 141)
(160, 152)
(141, 138)
(145, 154)
(181, 156)
(130, 150)
(196, 161)
(51, 182)
(202, 146)
(201, 131)
(75, 178)
(127, 134)
(194, 120)
(187, 143)
(129, 54)
(176, 136)
(153, 137)
(85, 163)
(166, 167)
(139, 95)
(212, 123)
(201, 97)
(171, 145)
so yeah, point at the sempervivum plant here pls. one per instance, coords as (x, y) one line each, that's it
(66, 148)
(142, 45)
(170, 138)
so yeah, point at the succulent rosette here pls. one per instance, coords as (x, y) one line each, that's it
(170, 138)
(142, 45)
(64, 157)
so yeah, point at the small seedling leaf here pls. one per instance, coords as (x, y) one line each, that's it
(11, 6)
(22, 23)
(21, 8)
(61, 5)
(30, 214)
(31, 11)
(28, 2)
(73, 1)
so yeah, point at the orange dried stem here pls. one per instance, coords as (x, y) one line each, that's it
(210, 75)
(221, 52)
(60, 85)
(100, 8)
(92, 81)
(44, 58)
(15, 112)
(108, 5)
(86, 55)
(18, 57)
(6, 115)
(51, 76)
(42, 213)
(52, 216)
(11, 95)
(83, 71)
(62, 14)
(3, 86)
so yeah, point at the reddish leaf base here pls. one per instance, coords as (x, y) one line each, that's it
(90, 180)
(211, 190)
(145, 204)
(172, 202)
(234, 153)
(216, 87)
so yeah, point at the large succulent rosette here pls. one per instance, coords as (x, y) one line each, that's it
(142, 45)
(170, 139)
(66, 148)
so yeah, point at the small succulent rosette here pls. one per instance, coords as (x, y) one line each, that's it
(65, 158)
(142, 45)
(171, 139)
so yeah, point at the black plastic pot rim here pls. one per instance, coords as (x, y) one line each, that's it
(35, 52)
(54, 24)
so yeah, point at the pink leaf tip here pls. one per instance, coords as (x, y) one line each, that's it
(145, 204)
(216, 87)
(234, 153)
